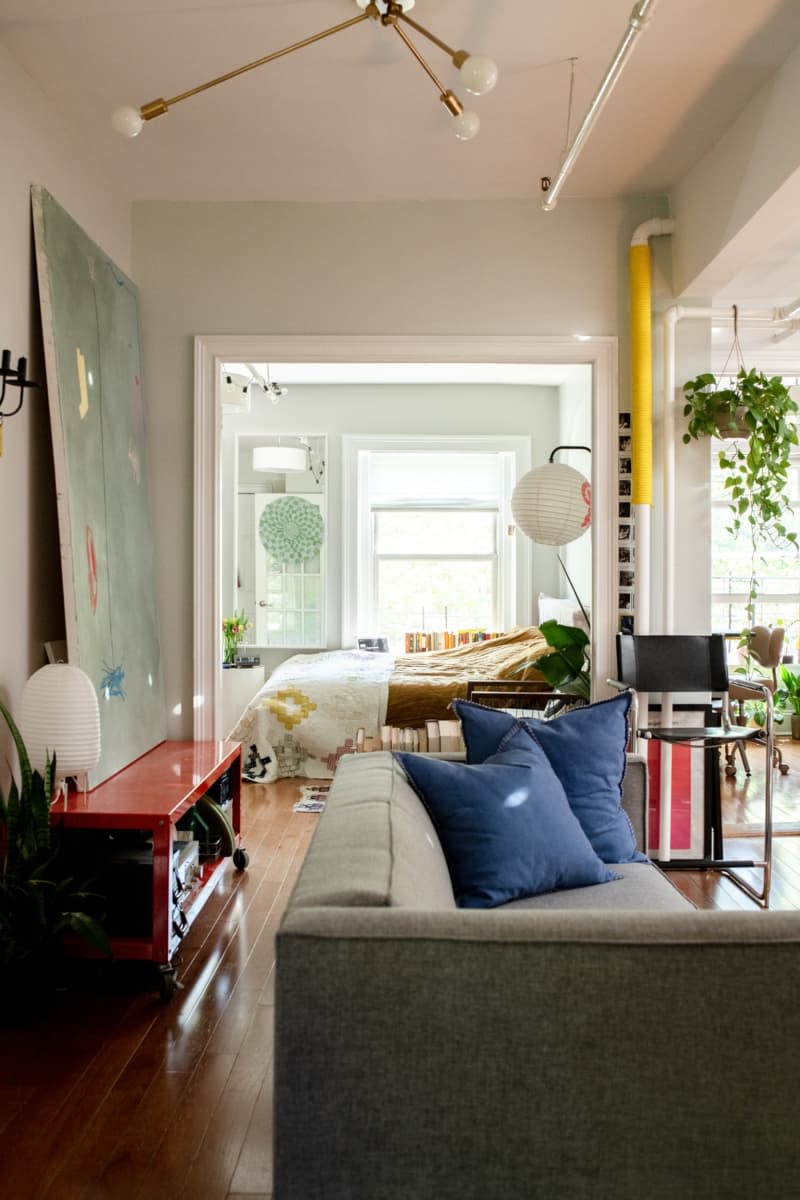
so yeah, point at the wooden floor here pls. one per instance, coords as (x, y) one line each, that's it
(743, 823)
(116, 1095)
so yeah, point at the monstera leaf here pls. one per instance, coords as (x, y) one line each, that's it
(567, 667)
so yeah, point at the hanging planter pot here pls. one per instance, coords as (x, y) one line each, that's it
(759, 413)
(732, 424)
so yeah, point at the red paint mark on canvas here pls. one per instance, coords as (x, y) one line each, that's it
(91, 562)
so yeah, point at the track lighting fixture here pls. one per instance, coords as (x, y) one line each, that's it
(478, 73)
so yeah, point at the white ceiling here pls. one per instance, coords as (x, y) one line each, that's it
(354, 117)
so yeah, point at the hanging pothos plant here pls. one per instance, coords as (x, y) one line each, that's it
(757, 412)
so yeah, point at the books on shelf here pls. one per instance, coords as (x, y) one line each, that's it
(432, 737)
(444, 639)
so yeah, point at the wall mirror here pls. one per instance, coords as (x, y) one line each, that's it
(275, 521)
(333, 394)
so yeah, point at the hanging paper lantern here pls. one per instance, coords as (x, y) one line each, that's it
(291, 529)
(552, 504)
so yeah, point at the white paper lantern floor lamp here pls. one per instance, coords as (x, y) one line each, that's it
(60, 716)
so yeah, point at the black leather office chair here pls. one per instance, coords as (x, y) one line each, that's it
(693, 664)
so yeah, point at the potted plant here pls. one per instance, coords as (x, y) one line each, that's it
(566, 668)
(787, 697)
(40, 902)
(233, 631)
(756, 411)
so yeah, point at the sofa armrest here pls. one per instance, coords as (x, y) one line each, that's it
(635, 796)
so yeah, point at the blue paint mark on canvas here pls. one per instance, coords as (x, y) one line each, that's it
(111, 683)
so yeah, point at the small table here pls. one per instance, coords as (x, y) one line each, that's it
(151, 795)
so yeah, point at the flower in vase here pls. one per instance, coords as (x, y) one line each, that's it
(233, 631)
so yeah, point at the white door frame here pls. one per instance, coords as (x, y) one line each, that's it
(212, 350)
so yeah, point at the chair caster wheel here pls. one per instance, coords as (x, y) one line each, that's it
(784, 768)
(730, 771)
(241, 859)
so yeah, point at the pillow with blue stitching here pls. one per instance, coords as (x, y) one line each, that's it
(586, 749)
(506, 828)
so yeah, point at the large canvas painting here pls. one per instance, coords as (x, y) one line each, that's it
(90, 320)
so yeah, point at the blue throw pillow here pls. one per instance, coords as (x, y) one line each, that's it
(505, 826)
(586, 749)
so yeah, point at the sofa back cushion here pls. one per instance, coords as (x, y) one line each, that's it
(374, 845)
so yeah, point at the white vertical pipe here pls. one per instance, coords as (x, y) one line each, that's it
(668, 599)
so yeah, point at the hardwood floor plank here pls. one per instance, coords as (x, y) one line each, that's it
(185, 1131)
(254, 1168)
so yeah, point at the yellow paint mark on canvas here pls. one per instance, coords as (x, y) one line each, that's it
(82, 384)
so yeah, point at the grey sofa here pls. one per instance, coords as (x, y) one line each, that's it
(606, 1041)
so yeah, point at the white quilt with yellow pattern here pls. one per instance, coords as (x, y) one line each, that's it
(308, 712)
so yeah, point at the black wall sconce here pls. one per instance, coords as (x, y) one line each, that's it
(12, 377)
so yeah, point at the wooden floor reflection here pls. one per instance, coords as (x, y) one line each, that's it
(743, 826)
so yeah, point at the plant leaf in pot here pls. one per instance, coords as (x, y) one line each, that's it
(787, 697)
(40, 902)
(566, 668)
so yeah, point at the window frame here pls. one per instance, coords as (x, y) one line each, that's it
(360, 568)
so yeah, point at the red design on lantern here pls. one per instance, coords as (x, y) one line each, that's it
(586, 493)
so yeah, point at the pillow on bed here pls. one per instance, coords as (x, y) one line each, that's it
(586, 749)
(506, 828)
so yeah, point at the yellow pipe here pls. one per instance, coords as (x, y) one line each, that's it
(641, 376)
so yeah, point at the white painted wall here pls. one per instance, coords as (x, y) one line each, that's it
(417, 268)
(36, 148)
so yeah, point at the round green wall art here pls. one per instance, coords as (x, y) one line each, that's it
(291, 529)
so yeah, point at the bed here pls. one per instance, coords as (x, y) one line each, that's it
(310, 710)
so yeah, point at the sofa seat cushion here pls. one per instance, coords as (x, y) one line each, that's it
(586, 748)
(505, 826)
(640, 887)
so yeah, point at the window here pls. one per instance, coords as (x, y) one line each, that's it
(777, 572)
(433, 549)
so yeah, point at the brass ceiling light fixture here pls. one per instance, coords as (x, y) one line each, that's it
(478, 73)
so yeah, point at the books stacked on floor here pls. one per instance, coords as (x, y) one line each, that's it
(434, 737)
(444, 639)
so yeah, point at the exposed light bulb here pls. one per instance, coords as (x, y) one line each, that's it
(127, 121)
(466, 125)
(478, 74)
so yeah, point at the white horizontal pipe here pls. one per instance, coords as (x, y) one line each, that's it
(788, 331)
(654, 227)
(638, 17)
(788, 312)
